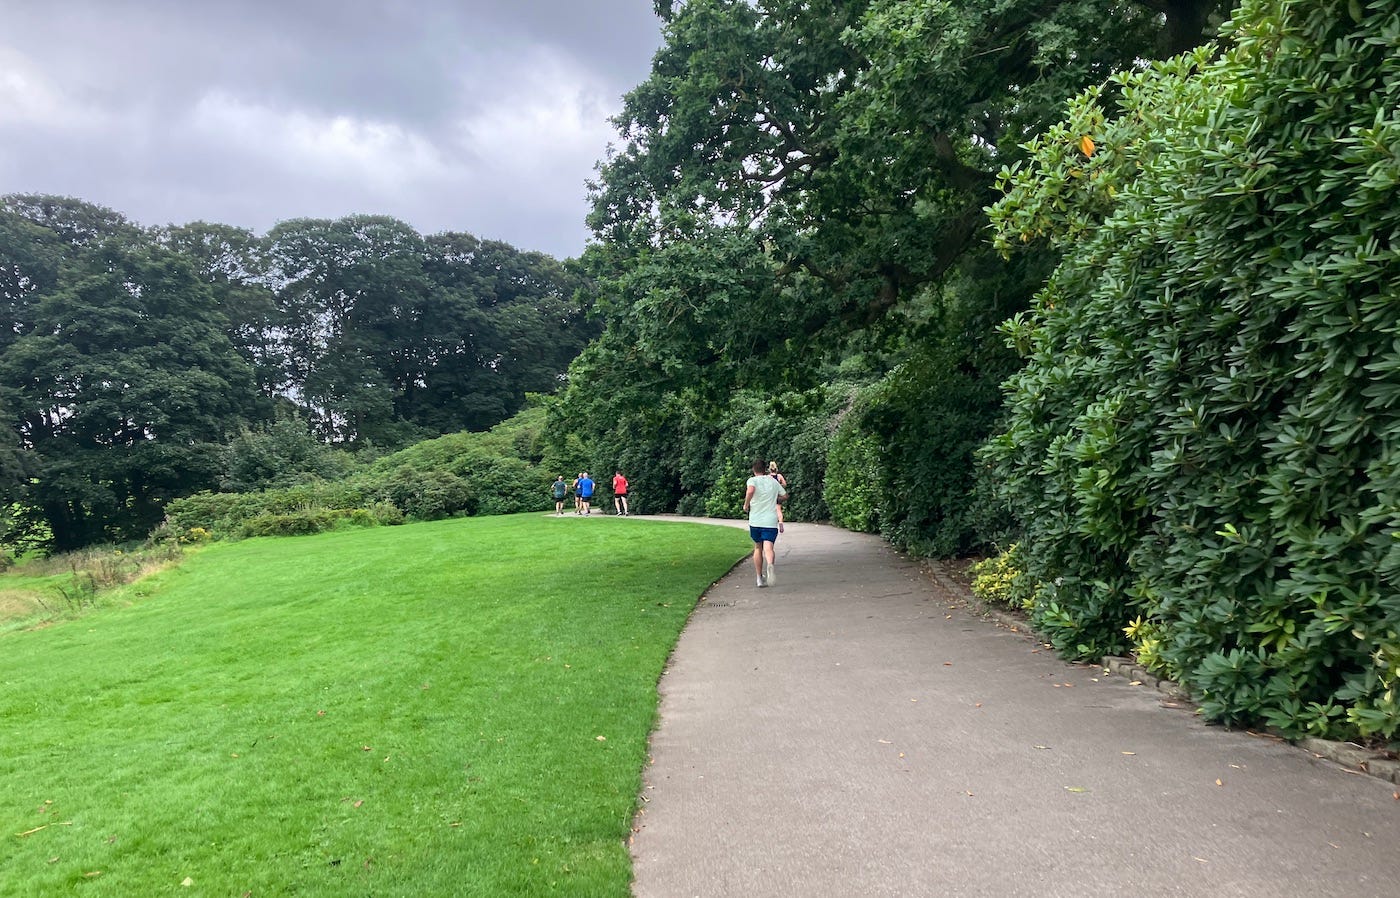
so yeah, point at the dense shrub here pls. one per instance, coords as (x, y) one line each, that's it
(426, 495)
(298, 523)
(853, 475)
(224, 514)
(279, 455)
(930, 417)
(1204, 449)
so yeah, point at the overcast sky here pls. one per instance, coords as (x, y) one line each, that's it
(484, 116)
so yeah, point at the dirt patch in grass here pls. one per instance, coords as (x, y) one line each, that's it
(17, 603)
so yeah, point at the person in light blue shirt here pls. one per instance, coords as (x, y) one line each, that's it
(762, 496)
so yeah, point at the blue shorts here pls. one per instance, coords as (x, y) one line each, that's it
(763, 534)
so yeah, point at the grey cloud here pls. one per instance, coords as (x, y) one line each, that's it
(138, 74)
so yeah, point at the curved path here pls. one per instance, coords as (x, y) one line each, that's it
(856, 731)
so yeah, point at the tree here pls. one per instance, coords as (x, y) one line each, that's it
(234, 263)
(391, 336)
(1201, 448)
(123, 387)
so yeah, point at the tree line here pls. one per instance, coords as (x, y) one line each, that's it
(133, 358)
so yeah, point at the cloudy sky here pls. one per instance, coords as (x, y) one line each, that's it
(484, 116)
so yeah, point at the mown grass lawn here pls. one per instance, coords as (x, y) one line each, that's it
(455, 708)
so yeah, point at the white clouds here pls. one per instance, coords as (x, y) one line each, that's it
(382, 155)
(552, 116)
(28, 97)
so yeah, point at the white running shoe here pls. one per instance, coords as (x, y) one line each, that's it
(768, 572)
(761, 584)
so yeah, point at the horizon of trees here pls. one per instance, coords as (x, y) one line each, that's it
(131, 358)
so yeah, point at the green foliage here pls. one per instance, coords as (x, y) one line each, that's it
(278, 455)
(390, 336)
(930, 415)
(1202, 447)
(853, 475)
(1002, 580)
(788, 194)
(458, 474)
(297, 523)
(121, 378)
(142, 365)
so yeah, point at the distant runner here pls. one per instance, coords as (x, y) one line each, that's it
(560, 491)
(585, 492)
(620, 494)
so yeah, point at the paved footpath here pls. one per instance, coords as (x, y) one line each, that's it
(856, 731)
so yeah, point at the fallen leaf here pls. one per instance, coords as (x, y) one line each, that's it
(365, 748)
(1128, 753)
(1135, 683)
(94, 873)
(885, 742)
(901, 754)
(187, 881)
(1395, 795)
(947, 664)
(978, 705)
(1043, 747)
(968, 793)
(1201, 859)
(358, 803)
(1075, 789)
(1219, 783)
(602, 738)
(320, 713)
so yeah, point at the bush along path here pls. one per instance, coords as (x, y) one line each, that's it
(859, 729)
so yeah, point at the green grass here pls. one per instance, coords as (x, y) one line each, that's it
(408, 711)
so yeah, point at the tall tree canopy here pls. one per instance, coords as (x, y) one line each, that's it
(801, 180)
(123, 384)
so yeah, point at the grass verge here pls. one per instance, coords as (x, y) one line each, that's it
(454, 708)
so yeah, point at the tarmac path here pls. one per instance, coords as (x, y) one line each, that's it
(855, 730)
